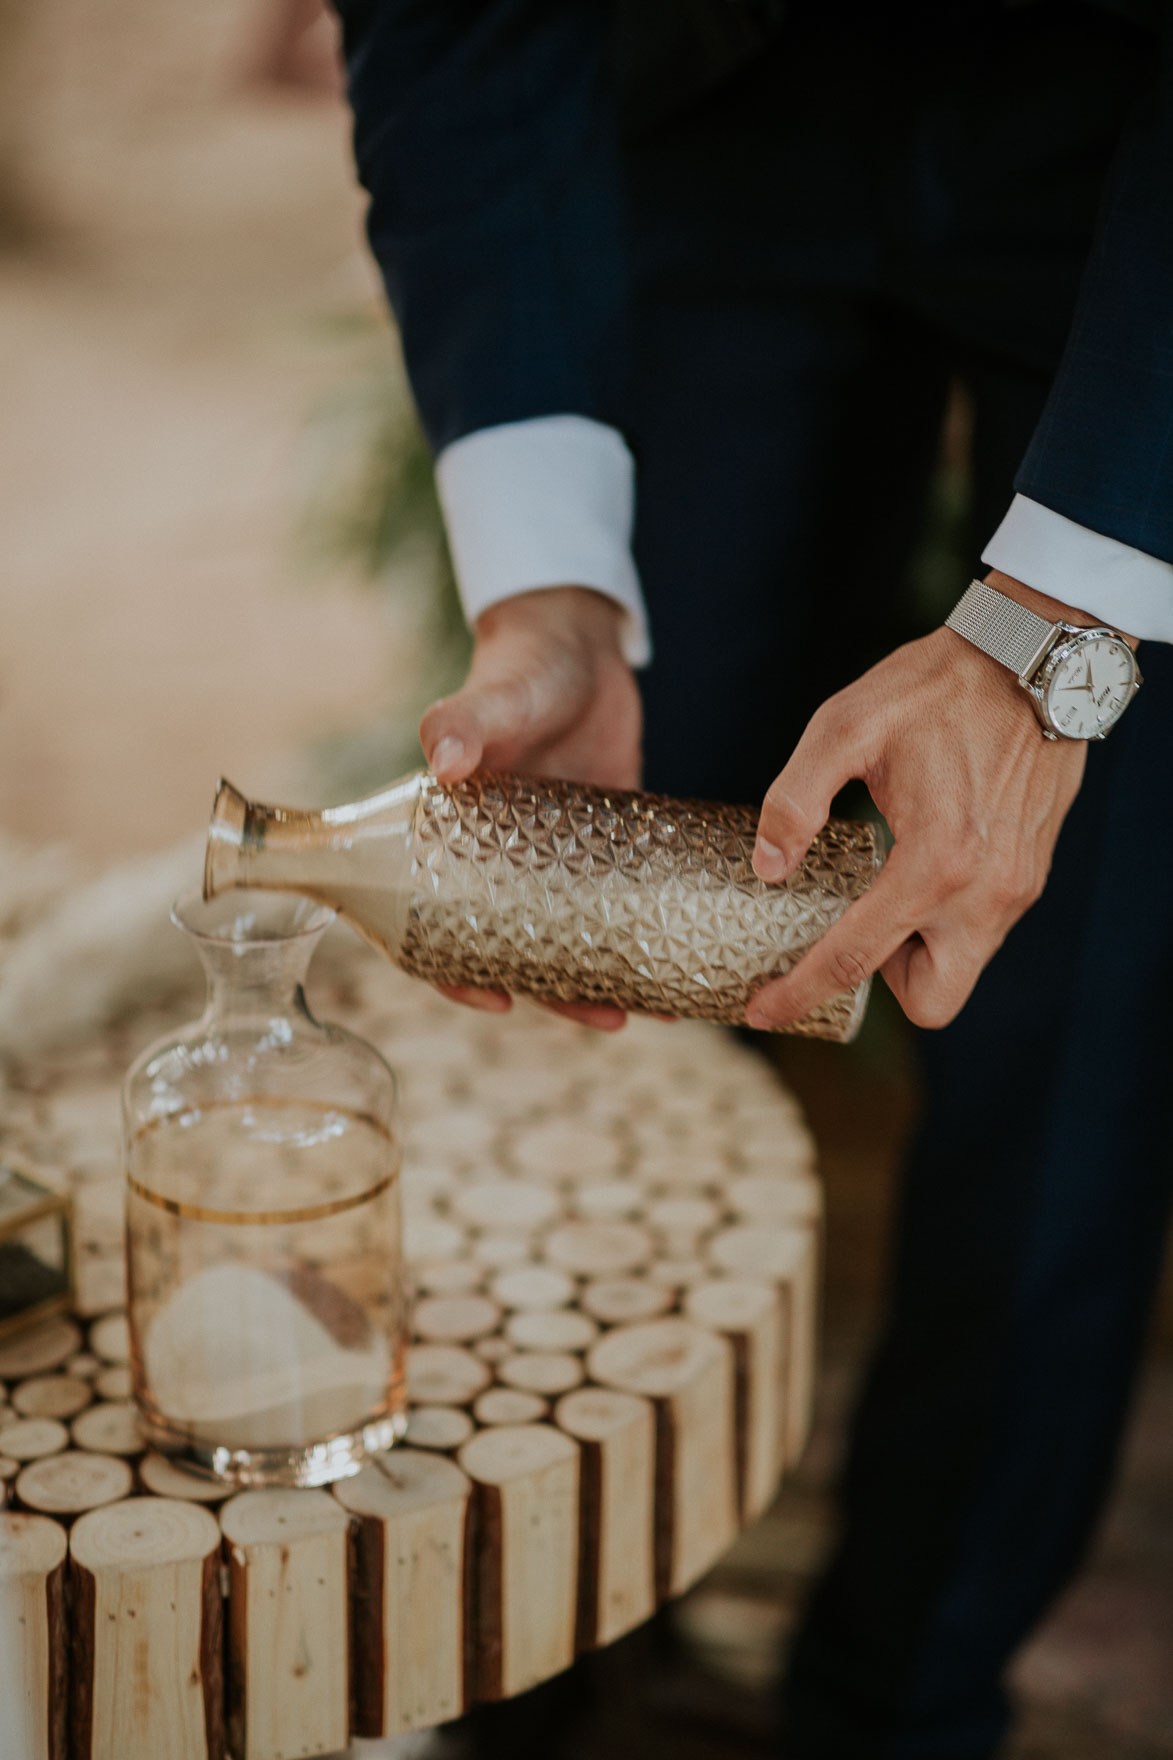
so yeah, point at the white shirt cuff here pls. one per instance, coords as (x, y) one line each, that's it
(548, 502)
(1099, 575)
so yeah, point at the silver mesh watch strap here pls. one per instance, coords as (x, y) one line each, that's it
(1001, 628)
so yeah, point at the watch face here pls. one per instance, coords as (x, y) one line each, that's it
(1090, 686)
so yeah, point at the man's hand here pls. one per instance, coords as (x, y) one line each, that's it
(548, 693)
(975, 797)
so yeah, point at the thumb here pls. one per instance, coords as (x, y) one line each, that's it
(489, 721)
(798, 801)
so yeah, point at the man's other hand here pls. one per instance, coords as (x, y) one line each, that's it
(549, 694)
(974, 796)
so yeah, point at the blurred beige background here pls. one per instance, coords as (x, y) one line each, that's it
(180, 230)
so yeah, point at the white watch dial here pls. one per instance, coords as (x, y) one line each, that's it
(1090, 687)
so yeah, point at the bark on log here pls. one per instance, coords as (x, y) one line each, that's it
(616, 1434)
(148, 1633)
(33, 1642)
(688, 1373)
(787, 1256)
(526, 1555)
(409, 1591)
(752, 1317)
(288, 1614)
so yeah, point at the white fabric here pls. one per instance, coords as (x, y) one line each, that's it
(1111, 581)
(548, 502)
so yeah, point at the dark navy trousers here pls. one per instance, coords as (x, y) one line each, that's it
(824, 246)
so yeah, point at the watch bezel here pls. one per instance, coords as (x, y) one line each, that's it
(1072, 637)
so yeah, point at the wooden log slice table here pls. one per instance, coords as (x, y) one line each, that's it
(613, 1242)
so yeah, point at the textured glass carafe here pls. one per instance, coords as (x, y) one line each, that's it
(558, 890)
(265, 1284)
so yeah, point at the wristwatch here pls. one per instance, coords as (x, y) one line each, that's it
(1079, 680)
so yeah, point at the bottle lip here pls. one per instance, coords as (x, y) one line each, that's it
(255, 918)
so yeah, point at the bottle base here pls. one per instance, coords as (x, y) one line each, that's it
(317, 1463)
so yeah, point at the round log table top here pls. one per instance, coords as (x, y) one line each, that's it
(613, 1246)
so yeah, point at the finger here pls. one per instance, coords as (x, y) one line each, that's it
(933, 975)
(489, 723)
(866, 935)
(489, 1001)
(590, 1014)
(798, 801)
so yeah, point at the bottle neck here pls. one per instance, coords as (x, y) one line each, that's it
(354, 858)
(255, 952)
(257, 979)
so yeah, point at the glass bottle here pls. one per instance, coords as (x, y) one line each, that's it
(558, 890)
(265, 1285)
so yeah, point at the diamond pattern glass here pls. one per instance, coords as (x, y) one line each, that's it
(573, 894)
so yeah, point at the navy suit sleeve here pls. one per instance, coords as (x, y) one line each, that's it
(1103, 451)
(486, 137)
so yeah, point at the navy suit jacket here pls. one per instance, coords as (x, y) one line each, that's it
(488, 134)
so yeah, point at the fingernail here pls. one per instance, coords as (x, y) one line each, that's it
(757, 1017)
(768, 861)
(448, 753)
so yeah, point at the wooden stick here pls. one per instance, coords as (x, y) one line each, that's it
(526, 1555)
(683, 1218)
(109, 1428)
(788, 1256)
(409, 1590)
(608, 1200)
(69, 1484)
(148, 1632)
(556, 1329)
(598, 1249)
(168, 1479)
(42, 1348)
(688, 1372)
(616, 1565)
(493, 1350)
(776, 1197)
(509, 1405)
(288, 1598)
(33, 1642)
(512, 1205)
(494, 1252)
(450, 1277)
(445, 1375)
(442, 1427)
(752, 1318)
(544, 1372)
(51, 1396)
(454, 1319)
(28, 1439)
(113, 1383)
(619, 1301)
(110, 1339)
(532, 1286)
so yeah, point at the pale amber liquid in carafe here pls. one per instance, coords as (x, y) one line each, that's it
(265, 1285)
